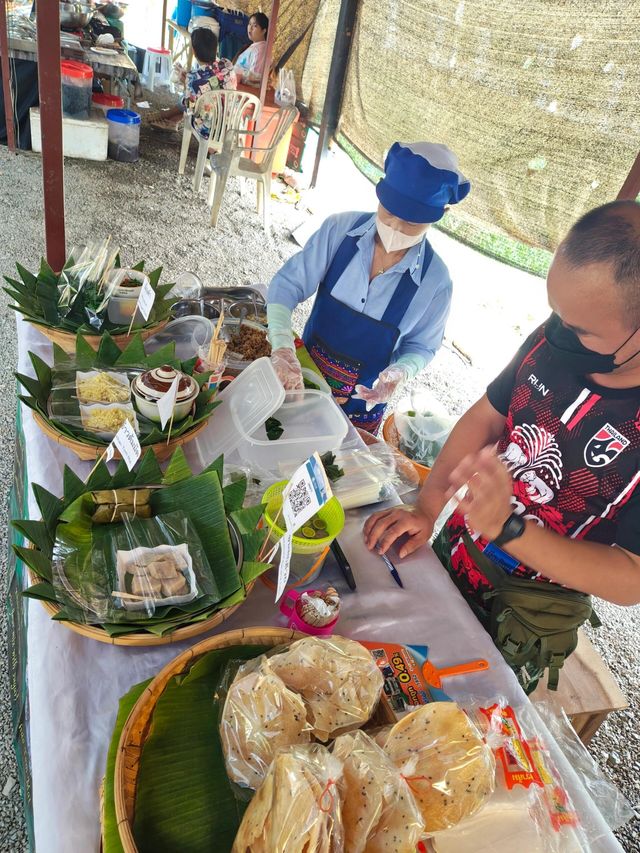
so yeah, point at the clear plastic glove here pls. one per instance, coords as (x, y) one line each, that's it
(287, 366)
(383, 388)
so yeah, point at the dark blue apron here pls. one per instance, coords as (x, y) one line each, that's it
(351, 348)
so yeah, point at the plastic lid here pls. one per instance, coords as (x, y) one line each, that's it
(71, 68)
(188, 333)
(105, 100)
(246, 404)
(123, 116)
(161, 50)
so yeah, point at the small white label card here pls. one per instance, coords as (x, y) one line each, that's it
(307, 491)
(285, 562)
(127, 443)
(167, 403)
(145, 300)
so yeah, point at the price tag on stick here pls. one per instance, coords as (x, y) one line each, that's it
(306, 492)
(144, 304)
(127, 443)
(167, 403)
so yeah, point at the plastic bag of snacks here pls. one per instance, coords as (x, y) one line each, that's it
(260, 716)
(530, 808)
(297, 807)
(93, 401)
(613, 805)
(423, 426)
(86, 275)
(379, 812)
(120, 572)
(444, 760)
(337, 678)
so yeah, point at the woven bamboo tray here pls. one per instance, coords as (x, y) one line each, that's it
(188, 632)
(140, 720)
(91, 452)
(138, 725)
(67, 340)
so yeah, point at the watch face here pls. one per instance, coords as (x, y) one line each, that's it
(513, 527)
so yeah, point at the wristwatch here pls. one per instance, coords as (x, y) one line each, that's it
(513, 527)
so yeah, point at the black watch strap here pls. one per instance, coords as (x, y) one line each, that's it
(512, 528)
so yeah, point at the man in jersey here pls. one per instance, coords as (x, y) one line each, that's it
(550, 455)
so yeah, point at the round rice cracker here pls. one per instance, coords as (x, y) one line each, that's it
(261, 715)
(337, 678)
(449, 768)
(285, 815)
(379, 813)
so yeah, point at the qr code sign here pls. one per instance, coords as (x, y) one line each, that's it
(299, 497)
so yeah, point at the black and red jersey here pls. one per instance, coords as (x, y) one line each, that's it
(573, 449)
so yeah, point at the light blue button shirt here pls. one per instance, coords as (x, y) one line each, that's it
(422, 327)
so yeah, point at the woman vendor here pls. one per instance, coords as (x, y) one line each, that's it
(382, 294)
(250, 64)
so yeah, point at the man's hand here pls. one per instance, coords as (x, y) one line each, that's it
(383, 528)
(487, 503)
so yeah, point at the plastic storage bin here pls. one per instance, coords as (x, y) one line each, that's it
(104, 103)
(124, 135)
(84, 139)
(310, 422)
(76, 80)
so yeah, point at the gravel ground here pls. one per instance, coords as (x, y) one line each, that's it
(153, 214)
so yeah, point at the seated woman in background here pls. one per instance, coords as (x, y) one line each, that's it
(210, 75)
(250, 64)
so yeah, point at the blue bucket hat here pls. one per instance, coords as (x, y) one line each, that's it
(421, 179)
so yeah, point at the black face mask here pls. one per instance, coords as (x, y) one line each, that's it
(567, 347)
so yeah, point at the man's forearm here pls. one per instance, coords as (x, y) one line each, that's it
(608, 572)
(480, 426)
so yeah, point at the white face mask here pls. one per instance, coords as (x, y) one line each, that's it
(395, 241)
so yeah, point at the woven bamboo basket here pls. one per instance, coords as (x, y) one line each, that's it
(138, 725)
(390, 434)
(140, 720)
(91, 452)
(188, 632)
(67, 340)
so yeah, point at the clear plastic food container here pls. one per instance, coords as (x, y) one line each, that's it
(124, 135)
(76, 82)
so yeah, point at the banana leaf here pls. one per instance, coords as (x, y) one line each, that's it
(36, 298)
(184, 799)
(51, 393)
(201, 497)
(110, 835)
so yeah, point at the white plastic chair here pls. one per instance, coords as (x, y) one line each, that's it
(230, 162)
(225, 109)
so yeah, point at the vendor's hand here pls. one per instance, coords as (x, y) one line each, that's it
(487, 502)
(383, 528)
(287, 366)
(383, 388)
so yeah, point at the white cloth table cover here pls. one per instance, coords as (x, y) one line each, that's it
(74, 683)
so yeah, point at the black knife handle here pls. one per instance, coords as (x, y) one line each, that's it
(343, 563)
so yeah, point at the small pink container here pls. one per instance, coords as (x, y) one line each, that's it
(288, 607)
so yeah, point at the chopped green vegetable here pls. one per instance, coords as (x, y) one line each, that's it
(333, 471)
(273, 428)
(309, 384)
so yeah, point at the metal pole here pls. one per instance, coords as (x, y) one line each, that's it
(335, 83)
(164, 23)
(631, 187)
(48, 34)
(6, 79)
(273, 20)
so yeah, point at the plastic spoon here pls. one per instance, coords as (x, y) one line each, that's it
(434, 676)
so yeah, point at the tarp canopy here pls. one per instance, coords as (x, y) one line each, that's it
(539, 100)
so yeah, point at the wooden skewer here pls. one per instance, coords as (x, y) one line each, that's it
(96, 465)
(271, 526)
